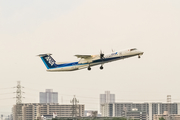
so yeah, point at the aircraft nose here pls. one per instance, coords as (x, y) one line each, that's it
(140, 52)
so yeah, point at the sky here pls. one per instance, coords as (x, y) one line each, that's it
(67, 27)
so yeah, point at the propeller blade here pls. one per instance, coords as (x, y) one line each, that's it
(101, 55)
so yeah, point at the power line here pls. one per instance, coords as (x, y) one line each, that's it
(6, 98)
(129, 100)
(141, 92)
(92, 97)
(6, 93)
(7, 88)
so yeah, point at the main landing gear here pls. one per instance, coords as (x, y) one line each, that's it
(101, 67)
(89, 67)
(102, 58)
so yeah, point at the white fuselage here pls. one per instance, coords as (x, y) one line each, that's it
(96, 60)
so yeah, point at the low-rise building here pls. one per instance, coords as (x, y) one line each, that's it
(30, 111)
(90, 113)
(166, 116)
(136, 115)
(118, 109)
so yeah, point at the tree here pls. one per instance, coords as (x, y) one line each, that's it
(119, 118)
(161, 118)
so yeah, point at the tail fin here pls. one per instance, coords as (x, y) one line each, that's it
(48, 60)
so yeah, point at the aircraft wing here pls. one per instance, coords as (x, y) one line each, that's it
(87, 58)
(84, 56)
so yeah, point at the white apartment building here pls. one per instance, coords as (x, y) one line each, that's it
(30, 111)
(48, 97)
(107, 98)
(118, 109)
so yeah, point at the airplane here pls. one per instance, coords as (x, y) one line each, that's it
(87, 61)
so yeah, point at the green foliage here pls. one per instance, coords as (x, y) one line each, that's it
(161, 118)
(118, 118)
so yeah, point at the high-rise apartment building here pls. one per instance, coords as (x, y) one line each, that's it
(107, 98)
(119, 109)
(48, 97)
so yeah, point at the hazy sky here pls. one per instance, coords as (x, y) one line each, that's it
(65, 28)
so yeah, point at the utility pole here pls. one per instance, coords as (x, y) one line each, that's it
(75, 108)
(169, 105)
(18, 101)
(125, 112)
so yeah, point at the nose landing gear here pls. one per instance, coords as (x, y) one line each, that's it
(101, 67)
(139, 56)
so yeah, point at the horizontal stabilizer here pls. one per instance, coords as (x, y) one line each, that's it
(42, 55)
(83, 56)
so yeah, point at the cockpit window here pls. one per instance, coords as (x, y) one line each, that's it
(133, 49)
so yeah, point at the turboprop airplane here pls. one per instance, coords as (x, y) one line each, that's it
(87, 61)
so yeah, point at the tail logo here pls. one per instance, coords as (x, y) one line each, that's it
(50, 60)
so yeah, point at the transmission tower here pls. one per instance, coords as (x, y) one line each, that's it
(75, 108)
(18, 101)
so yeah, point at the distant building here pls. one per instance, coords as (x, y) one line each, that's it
(90, 113)
(48, 97)
(119, 109)
(31, 111)
(135, 115)
(87, 113)
(107, 98)
(166, 116)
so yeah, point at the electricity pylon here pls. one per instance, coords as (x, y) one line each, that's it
(75, 108)
(18, 101)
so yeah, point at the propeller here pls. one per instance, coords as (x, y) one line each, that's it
(101, 55)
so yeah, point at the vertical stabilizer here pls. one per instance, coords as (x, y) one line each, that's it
(48, 60)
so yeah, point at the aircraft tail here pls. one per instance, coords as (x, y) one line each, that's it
(48, 60)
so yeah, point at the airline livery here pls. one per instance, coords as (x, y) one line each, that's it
(87, 61)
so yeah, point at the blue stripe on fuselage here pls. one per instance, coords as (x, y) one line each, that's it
(76, 63)
(67, 64)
